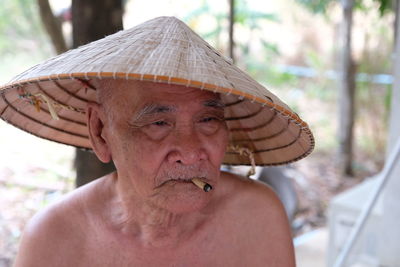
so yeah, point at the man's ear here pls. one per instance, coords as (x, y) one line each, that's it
(95, 122)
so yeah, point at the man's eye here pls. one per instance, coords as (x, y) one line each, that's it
(160, 123)
(208, 119)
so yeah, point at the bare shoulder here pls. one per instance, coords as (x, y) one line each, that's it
(264, 227)
(257, 195)
(55, 233)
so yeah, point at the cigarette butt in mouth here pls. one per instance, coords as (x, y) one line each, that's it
(202, 185)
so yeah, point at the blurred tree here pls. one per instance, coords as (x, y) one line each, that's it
(93, 20)
(346, 93)
(321, 6)
(231, 27)
(20, 29)
(240, 15)
(52, 26)
(347, 71)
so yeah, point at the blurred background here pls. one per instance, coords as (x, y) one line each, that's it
(332, 61)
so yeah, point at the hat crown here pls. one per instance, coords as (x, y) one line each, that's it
(163, 46)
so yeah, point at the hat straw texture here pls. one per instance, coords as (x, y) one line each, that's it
(49, 99)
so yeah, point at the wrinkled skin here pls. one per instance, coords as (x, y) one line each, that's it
(159, 152)
(149, 213)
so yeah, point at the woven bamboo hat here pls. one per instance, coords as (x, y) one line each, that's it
(49, 99)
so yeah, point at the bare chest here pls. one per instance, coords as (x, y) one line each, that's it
(208, 249)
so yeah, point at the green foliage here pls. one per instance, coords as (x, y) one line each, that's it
(316, 6)
(269, 73)
(244, 16)
(253, 52)
(20, 27)
(251, 18)
(385, 6)
(204, 8)
(23, 41)
(321, 6)
(388, 100)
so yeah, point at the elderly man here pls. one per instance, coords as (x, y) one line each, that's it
(168, 122)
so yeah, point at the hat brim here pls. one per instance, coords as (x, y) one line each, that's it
(274, 134)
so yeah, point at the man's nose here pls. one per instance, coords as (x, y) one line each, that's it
(187, 148)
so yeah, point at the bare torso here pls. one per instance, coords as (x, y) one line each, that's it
(245, 225)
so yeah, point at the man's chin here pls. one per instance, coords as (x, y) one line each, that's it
(182, 197)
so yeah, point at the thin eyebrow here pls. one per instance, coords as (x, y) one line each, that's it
(153, 108)
(214, 103)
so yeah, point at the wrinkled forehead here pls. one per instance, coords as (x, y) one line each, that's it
(116, 92)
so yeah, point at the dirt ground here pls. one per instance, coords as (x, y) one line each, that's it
(317, 181)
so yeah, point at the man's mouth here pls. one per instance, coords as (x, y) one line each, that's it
(180, 181)
(177, 180)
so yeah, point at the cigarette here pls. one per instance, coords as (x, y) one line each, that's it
(201, 184)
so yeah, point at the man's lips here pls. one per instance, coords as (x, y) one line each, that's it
(175, 181)
(178, 180)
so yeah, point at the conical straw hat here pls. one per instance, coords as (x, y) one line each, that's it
(49, 99)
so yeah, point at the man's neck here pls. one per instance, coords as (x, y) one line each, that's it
(149, 224)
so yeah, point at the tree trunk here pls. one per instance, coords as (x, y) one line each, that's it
(395, 6)
(93, 20)
(231, 26)
(346, 93)
(52, 26)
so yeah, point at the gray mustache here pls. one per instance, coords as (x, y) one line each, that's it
(184, 173)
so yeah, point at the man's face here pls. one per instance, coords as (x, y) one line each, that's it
(161, 136)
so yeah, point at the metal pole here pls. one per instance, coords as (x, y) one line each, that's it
(384, 176)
